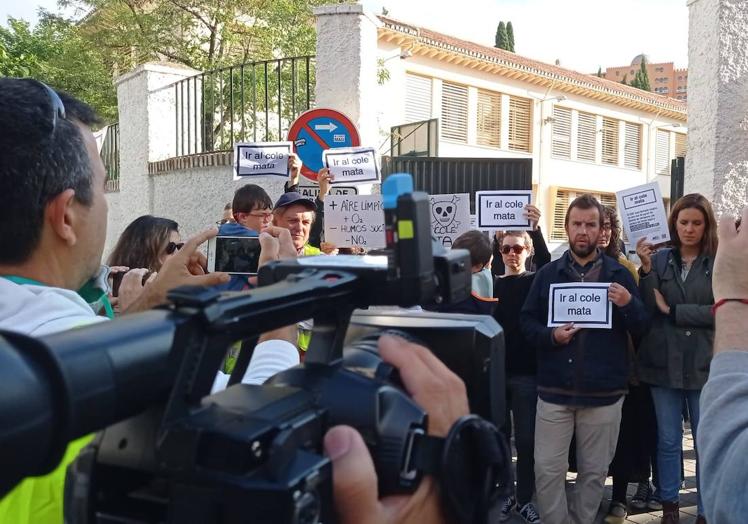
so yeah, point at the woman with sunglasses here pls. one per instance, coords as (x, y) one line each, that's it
(511, 289)
(145, 244)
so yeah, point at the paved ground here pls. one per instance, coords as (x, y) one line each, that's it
(687, 495)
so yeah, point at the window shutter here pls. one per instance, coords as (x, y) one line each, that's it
(610, 141)
(586, 128)
(417, 98)
(632, 146)
(681, 143)
(520, 120)
(561, 143)
(454, 112)
(489, 118)
(662, 154)
(560, 205)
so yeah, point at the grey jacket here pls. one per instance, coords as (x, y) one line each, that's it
(677, 350)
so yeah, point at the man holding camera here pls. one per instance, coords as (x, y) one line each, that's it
(53, 216)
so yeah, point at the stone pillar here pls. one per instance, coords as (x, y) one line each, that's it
(347, 66)
(717, 158)
(148, 132)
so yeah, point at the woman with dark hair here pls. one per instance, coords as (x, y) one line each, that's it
(674, 356)
(147, 242)
(636, 453)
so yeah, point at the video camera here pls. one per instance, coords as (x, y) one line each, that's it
(172, 452)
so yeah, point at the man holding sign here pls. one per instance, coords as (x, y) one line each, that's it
(579, 313)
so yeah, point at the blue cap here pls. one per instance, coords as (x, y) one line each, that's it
(292, 197)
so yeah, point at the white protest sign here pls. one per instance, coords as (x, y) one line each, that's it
(450, 217)
(261, 158)
(313, 191)
(351, 165)
(503, 210)
(643, 213)
(354, 220)
(585, 304)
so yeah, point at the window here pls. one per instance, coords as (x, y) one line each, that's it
(561, 202)
(632, 146)
(454, 112)
(489, 118)
(662, 153)
(586, 135)
(520, 122)
(561, 146)
(681, 144)
(417, 98)
(610, 141)
(660, 69)
(617, 73)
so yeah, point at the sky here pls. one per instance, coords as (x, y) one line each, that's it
(582, 34)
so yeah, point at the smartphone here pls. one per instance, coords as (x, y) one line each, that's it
(117, 280)
(235, 255)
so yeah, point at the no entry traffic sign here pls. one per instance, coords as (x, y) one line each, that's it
(317, 130)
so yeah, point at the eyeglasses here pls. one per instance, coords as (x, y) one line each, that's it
(58, 108)
(516, 248)
(265, 216)
(173, 246)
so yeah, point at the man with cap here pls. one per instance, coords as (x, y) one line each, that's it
(297, 213)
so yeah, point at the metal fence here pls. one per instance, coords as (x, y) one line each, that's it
(446, 175)
(110, 156)
(251, 102)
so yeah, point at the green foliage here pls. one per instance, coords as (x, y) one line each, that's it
(510, 36)
(55, 53)
(599, 72)
(624, 79)
(502, 39)
(641, 79)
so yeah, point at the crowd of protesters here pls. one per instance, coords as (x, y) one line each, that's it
(605, 402)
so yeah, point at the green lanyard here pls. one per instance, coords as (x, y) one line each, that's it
(88, 292)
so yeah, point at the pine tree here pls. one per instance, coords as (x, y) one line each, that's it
(502, 40)
(599, 72)
(510, 36)
(643, 76)
(623, 81)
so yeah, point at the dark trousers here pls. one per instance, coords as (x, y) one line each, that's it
(636, 453)
(521, 400)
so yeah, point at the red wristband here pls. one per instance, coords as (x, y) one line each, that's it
(724, 301)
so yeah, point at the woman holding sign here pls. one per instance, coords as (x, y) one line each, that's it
(674, 356)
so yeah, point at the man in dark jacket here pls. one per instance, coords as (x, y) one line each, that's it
(582, 373)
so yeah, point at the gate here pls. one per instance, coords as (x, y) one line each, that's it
(442, 175)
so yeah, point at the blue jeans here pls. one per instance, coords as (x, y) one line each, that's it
(668, 403)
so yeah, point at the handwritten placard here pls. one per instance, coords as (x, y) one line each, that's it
(261, 158)
(351, 165)
(643, 213)
(450, 217)
(313, 191)
(354, 220)
(585, 304)
(503, 210)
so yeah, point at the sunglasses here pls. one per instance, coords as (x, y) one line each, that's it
(173, 246)
(58, 108)
(516, 248)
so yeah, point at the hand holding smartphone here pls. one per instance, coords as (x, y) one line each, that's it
(234, 255)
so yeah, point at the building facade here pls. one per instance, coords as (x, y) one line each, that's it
(664, 78)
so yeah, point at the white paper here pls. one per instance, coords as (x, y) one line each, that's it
(450, 217)
(354, 220)
(503, 210)
(643, 213)
(585, 304)
(313, 191)
(261, 158)
(351, 165)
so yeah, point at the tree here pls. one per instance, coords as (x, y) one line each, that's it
(55, 53)
(599, 72)
(623, 80)
(502, 39)
(641, 79)
(510, 36)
